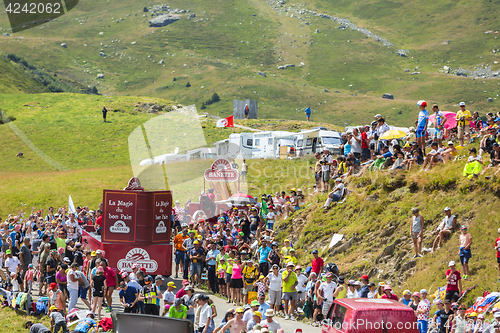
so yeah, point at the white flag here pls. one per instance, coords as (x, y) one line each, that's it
(71, 206)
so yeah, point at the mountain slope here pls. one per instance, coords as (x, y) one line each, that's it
(222, 48)
(375, 221)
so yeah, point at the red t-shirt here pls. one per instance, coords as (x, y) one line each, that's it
(98, 221)
(393, 296)
(317, 264)
(453, 281)
(364, 138)
(497, 245)
(109, 274)
(180, 293)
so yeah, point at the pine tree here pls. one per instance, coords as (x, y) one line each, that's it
(203, 106)
(215, 98)
(188, 84)
(174, 79)
(94, 91)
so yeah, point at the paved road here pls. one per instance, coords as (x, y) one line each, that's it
(222, 307)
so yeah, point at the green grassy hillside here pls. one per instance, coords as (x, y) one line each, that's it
(14, 80)
(375, 222)
(226, 44)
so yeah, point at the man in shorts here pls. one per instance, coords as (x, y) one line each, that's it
(465, 250)
(423, 119)
(453, 283)
(439, 121)
(290, 281)
(326, 162)
(445, 228)
(463, 117)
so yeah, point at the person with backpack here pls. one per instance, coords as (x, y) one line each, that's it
(308, 112)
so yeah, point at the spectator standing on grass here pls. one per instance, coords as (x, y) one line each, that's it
(317, 262)
(104, 113)
(422, 121)
(439, 121)
(326, 162)
(416, 231)
(463, 118)
(308, 112)
(465, 250)
(423, 310)
(445, 316)
(365, 144)
(453, 282)
(497, 248)
(445, 228)
(356, 143)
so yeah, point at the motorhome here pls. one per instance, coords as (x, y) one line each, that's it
(311, 141)
(201, 153)
(243, 143)
(267, 144)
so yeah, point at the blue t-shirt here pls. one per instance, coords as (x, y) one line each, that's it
(308, 111)
(423, 115)
(129, 294)
(347, 149)
(84, 325)
(213, 253)
(264, 252)
(388, 154)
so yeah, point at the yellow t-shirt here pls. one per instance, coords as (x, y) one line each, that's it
(290, 258)
(465, 114)
(287, 286)
(342, 168)
(250, 273)
(285, 250)
(229, 266)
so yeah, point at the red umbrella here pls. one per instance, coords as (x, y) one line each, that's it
(239, 199)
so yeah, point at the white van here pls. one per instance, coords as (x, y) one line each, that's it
(243, 142)
(267, 144)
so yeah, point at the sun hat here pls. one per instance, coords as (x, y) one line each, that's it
(290, 263)
(423, 291)
(387, 288)
(407, 292)
(240, 310)
(53, 285)
(100, 269)
(257, 313)
(254, 303)
(463, 227)
(269, 313)
(462, 104)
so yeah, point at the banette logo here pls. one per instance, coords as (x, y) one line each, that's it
(161, 228)
(119, 228)
(137, 256)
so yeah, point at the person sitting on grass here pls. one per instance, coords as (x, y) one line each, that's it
(433, 157)
(445, 228)
(449, 153)
(494, 157)
(474, 164)
(415, 158)
(336, 194)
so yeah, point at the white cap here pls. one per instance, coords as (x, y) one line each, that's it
(423, 291)
(448, 208)
(338, 179)
(462, 104)
(450, 142)
(452, 263)
(422, 103)
(378, 116)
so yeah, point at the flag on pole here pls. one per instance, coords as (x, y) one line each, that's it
(264, 210)
(225, 122)
(71, 206)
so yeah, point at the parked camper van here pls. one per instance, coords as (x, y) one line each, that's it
(267, 144)
(244, 141)
(315, 140)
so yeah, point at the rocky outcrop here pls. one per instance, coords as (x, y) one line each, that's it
(163, 20)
